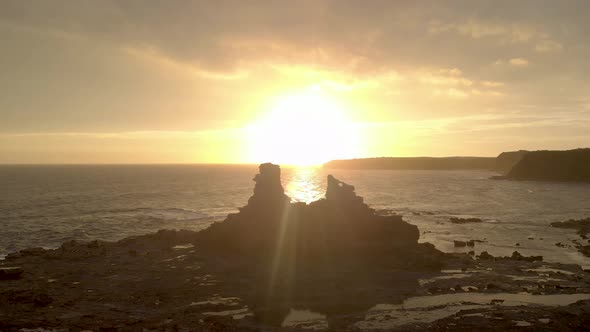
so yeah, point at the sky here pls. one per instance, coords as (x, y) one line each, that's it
(289, 81)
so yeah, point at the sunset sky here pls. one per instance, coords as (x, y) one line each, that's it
(289, 81)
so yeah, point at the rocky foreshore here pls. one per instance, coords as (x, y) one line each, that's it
(332, 264)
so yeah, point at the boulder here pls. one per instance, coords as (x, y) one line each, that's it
(10, 273)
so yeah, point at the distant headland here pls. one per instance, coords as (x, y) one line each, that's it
(569, 165)
(417, 163)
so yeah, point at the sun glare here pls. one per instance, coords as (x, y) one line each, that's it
(304, 129)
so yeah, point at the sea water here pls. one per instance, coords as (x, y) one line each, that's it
(43, 206)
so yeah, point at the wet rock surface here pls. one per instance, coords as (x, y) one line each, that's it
(13, 272)
(582, 226)
(335, 258)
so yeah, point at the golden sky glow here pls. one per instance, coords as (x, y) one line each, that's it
(295, 82)
(305, 128)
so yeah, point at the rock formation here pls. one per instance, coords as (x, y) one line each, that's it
(341, 223)
(293, 252)
(456, 220)
(268, 191)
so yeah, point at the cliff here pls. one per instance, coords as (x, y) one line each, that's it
(416, 163)
(570, 165)
(506, 160)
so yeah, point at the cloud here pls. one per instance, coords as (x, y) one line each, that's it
(492, 84)
(128, 65)
(548, 46)
(519, 62)
(505, 32)
(224, 38)
(451, 92)
(441, 79)
(451, 82)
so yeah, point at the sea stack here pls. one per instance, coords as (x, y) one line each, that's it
(268, 190)
(339, 225)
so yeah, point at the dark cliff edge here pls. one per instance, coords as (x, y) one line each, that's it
(416, 163)
(506, 160)
(570, 165)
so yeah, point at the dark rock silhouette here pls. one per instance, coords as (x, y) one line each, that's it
(570, 165)
(456, 220)
(516, 256)
(339, 223)
(268, 191)
(10, 272)
(336, 248)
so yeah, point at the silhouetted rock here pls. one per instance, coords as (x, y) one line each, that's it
(340, 223)
(10, 272)
(311, 247)
(459, 244)
(519, 257)
(516, 256)
(506, 160)
(455, 220)
(268, 191)
(485, 256)
(570, 165)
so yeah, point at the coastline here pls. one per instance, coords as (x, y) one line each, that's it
(161, 281)
(215, 279)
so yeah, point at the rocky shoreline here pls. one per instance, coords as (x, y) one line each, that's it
(334, 262)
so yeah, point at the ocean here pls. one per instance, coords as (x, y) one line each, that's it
(43, 206)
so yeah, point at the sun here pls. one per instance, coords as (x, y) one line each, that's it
(304, 129)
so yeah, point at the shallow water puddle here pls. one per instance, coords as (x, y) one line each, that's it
(533, 279)
(305, 319)
(179, 257)
(545, 269)
(423, 282)
(522, 323)
(217, 300)
(183, 246)
(235, 313)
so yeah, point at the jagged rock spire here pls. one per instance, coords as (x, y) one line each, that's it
(268, 188)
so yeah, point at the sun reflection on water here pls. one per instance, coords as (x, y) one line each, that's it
(304, 184)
